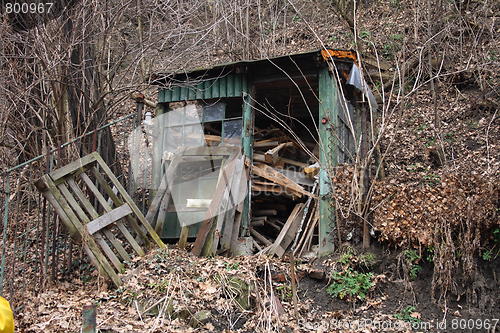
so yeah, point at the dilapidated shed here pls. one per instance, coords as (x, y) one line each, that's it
(284, 115)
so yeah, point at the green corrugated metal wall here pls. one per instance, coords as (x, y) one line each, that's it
(231, 85)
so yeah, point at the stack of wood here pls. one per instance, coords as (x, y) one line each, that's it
(284, 198)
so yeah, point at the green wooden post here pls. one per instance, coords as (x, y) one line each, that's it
(328, 118)
(247, 142)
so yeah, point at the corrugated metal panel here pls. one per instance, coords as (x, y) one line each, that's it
(231, 85)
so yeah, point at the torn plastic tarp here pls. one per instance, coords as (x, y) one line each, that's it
(357, 81)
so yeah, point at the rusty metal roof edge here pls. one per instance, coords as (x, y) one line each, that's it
(161, 77)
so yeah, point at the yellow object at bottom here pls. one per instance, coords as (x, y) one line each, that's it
(6, 317)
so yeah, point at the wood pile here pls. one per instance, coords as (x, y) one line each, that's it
(414, 213)
(284, 200)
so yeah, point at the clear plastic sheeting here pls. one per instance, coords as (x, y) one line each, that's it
(357, 81)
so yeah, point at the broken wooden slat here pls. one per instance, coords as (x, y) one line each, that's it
(183, 237)
(108, 218)
(162, 212)
(272, 154)
(292, 231)
(265, 144)
(293, 162)
(284, 230)
(269, 173)
(198, 203)
(71, 168)
(207, 247)
(309, 234)
(308, 226)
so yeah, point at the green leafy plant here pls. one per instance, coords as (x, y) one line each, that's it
(430, 255)
(232, 267)
(365, 34)
(489, 254)
(406, 315)
(350, 284)
(430, 141)
(284, 293)
(413, 258)
(432, 179)
(348, 256)
(449, 137)
(367, 259)
(397, 37)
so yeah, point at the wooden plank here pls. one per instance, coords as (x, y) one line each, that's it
(273, 154)
(100, 259)
(292, 231)
(308, 225)
(183, 237)
(109, 252)
(59, 210)
(285, 228)
(130, 202)
(72, 167)
(309, 234)
(108, 218)
(212, 210)
(259, 158)
(269, 173)
(212, 138)
(293, 162)
(265, 144)
(236, 230)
